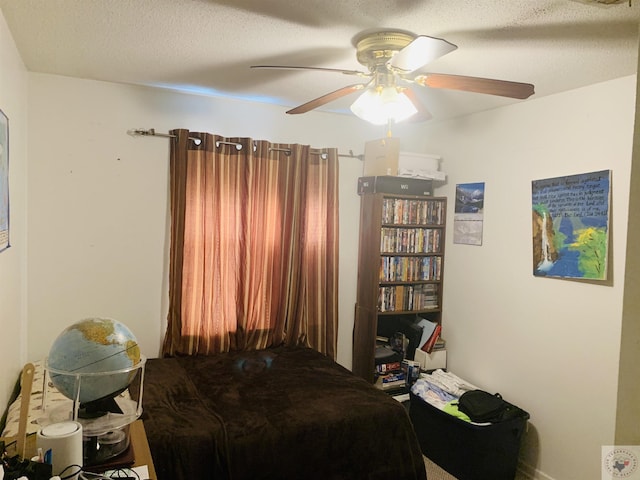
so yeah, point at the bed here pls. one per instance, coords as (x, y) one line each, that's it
(277, 414)
(283, 413)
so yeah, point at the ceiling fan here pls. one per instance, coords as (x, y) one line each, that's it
(393, 60)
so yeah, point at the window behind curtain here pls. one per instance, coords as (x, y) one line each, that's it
(254, 246)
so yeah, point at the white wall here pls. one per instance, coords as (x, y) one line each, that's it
(549, 345)
(628, 411)
(99, 198)
(98, 236)
(13, 102)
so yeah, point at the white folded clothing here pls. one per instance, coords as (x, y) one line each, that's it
(449, 382)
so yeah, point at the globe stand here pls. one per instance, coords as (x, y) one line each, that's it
(105, 421)
(99, 408)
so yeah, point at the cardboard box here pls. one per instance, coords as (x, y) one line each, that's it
(383, 157)
(431, 361)
(398, 185)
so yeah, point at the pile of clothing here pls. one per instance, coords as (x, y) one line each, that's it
(443, 390)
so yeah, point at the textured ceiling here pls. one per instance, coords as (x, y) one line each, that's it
(207, 46)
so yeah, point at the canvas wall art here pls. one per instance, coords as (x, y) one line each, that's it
(4, 181)
(469, 213)
(571, 225)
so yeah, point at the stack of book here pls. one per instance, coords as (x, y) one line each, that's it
(431, 339)
(440, 344)
(391, 382)
(388, 368)
(389, 375)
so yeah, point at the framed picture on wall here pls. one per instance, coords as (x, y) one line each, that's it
(4, 181)
(571, 226)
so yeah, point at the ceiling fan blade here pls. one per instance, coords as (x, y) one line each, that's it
(422, 114)
(322, 69)
(421, 51)
(489, 86)
(324, 99)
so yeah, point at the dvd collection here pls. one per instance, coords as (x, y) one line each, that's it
(408, 298)
(402, 211)
(410, 240)
(410, 269)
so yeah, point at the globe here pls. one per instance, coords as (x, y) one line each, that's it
(94, 357)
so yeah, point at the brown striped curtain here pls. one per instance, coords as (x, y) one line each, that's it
(254, 246)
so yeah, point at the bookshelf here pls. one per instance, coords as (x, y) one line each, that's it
(400, 266)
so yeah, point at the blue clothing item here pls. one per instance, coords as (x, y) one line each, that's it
(422, 386)
(446, 396)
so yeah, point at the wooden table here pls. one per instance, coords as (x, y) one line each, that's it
(140, 445)
(137, 439)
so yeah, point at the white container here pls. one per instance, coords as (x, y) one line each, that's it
(64, 439)
(419, 161)
(431, 361)
(420, 165)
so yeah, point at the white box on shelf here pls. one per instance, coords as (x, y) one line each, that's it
(383, 157)
(419, 161)
(431, 361)
(420, 165)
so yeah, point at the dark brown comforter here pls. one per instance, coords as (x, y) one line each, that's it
(284, 413)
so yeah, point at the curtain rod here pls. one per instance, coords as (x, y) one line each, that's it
(151, 132)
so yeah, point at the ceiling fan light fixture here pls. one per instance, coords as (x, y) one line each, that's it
(383, 104)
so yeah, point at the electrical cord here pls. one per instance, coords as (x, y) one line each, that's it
(66, 475)
(117, 474)
(76, 471)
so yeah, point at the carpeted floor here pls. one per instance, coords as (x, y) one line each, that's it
(434, 472)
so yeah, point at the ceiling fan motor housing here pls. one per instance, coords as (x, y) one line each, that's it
(377, 48)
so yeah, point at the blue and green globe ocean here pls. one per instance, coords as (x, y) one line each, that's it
(93, 345)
